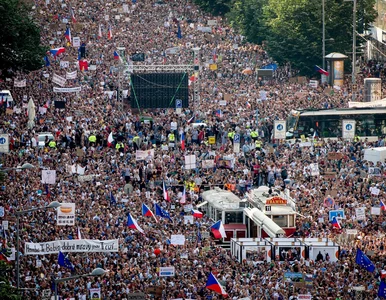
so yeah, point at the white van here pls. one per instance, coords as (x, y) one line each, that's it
(42, 138)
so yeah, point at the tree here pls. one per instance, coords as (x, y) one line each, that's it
(247, 17)
(20, 47)
(7, 291)
(215, 7)
(292, 29)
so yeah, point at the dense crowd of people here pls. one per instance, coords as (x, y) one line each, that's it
(100, 136)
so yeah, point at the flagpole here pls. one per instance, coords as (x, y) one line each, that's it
(53, 204)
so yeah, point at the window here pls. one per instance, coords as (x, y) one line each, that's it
(291, 222)
(280, 220)
(233, 217)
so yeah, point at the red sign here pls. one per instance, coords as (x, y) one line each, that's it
(276, 201)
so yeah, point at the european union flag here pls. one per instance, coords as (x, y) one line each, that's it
(161, 212)
(365, 262)
(112, 199)
(199, 237)
(382, 289)
(179, 33)
(64, 261)
(46, 61)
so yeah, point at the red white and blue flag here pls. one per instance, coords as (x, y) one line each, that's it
(67, 34)
(56, 51)
(116, 55)
(218, 230)
(321, 71)
(165, 192)
(197, 214)
(383, 206)
(146, 212)
(213, 285)
(335, 223)
(183, 141)
(132, 223)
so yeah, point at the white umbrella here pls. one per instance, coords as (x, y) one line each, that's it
(31, 113)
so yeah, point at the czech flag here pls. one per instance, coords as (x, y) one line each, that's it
(183, 141)
(248, 104)
(183, 197)
(335, 223)
(56, 51)
(197, 214)
(321, 71)
(213, 285)
(383, 274)
(218, 230)
(165, 192)
(219, 113)
(383, 206)
(110, 140)
(132, 223)
(67, 35)
(79, 237)
(110, 33)
(116, 55)
(146, 212)
(214, 55)
(191, 119)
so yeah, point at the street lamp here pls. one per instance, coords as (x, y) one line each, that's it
(26, 166)
(53, 204)
(94, 273)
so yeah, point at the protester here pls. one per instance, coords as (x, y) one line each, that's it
(98, 136)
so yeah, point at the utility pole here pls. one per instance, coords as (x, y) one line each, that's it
(323, 35)
(354, 42)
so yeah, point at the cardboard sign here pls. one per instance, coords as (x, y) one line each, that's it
(177, 239)
(334, 155)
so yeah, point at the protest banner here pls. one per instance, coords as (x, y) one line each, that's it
(67, 90)
(83, 246)
(20, 83)
(167, 271)
(59, 80)
(48, 176)
(66, 214)
(144, 155)
(71, 75)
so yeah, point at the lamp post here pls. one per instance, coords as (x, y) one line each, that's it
(94, 273)
(26, 166)
(53, 204)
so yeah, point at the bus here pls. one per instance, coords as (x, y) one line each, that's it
(327, 123)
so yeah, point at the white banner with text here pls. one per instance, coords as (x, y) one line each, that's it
(87, 246)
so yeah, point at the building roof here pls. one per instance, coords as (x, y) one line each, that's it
(222, 199)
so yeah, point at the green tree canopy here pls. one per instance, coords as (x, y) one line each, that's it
(292, 29)
(20, 47)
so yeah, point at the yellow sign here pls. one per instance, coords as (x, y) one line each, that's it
(338, 72)
(276, 201)
(212, 140)
(303, 138)
(213, 67)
